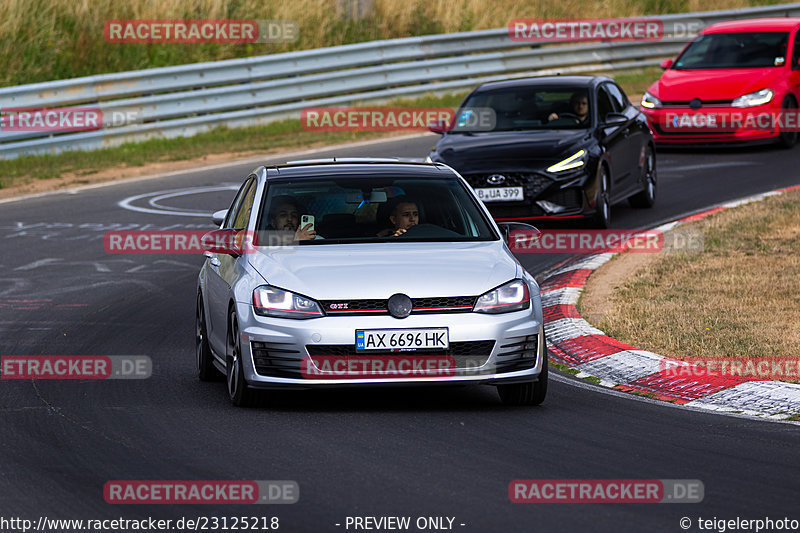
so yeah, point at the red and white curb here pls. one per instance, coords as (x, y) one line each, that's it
(573, 342)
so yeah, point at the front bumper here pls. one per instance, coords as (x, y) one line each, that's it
(490, 349)
(545, 197)
(675, 125)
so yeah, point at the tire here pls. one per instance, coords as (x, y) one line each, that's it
(526, 394)
(205, 361)
(602, 216)
(239, 393)
(788, 139)
(647, 197)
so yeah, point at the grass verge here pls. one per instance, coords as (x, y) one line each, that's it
(739, 298)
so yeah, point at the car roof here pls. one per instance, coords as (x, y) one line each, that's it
(544, 81)
(765, 24)
(315, 168)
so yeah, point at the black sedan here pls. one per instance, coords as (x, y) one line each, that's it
(560, 147)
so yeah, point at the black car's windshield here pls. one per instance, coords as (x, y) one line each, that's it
(529, 108)
(735, 50)
(367, 209)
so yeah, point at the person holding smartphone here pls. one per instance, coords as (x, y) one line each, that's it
(284, 215)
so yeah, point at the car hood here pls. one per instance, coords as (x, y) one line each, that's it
(379, 270)
(509, 150)
(712, 84)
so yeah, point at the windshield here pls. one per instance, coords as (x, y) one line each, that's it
(535, 108)
(369, 209)
(735, 50)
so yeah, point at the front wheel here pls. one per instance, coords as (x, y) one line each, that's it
(647, 197)
(525, 394)
(787, 139)
(240, 394)
(204, 360)
(602, 205)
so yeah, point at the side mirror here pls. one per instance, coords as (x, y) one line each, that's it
(224, 241)
(614, 120)
(519, 234)
(219, 216)
(666, 64)
(439, 126)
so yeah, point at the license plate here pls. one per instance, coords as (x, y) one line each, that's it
(500, 194)
(402, 339)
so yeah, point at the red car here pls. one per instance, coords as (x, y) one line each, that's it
(737, 81)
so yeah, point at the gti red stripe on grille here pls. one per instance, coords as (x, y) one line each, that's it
(673, 387)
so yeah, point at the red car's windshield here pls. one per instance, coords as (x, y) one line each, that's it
(735, 50)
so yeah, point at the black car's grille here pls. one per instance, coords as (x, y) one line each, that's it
(276, 359)
(445, 304)
(533, 183)
(466, 354)
(571, 198)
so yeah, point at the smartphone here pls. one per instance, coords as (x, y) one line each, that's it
(306, 220)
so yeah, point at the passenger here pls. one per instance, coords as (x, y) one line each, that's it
(404, 215)
(579, 103)
(284, 215)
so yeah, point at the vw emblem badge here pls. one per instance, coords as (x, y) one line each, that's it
(496, 179)
(399, 305)
(695, 103)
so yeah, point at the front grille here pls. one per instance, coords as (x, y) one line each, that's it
(466, 354)
(533, 184)
(689, 132)
(445, 304)
(570, 198)
(703, 103)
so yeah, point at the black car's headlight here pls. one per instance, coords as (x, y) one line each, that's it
(513, 296)
(270, 301)
(650, 102)
(764, 96)
(574, 161)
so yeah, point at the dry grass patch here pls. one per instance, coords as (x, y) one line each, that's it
(739, 298)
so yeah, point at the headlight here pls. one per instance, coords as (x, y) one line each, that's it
(512, 296)
(269, 301)
(753, 99)
(573, 161)
(650, 102)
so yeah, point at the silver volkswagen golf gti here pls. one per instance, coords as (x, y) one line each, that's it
(364, 273)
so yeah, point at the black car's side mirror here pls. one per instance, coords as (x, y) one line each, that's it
(614, 120)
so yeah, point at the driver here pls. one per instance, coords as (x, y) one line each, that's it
(285, 215)
(579, 103)
(404, 215)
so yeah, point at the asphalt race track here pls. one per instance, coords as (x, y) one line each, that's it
(396, 452)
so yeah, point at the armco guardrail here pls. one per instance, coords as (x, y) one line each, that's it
(189, 99)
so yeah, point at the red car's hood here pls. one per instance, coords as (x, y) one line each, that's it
(713, 84)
